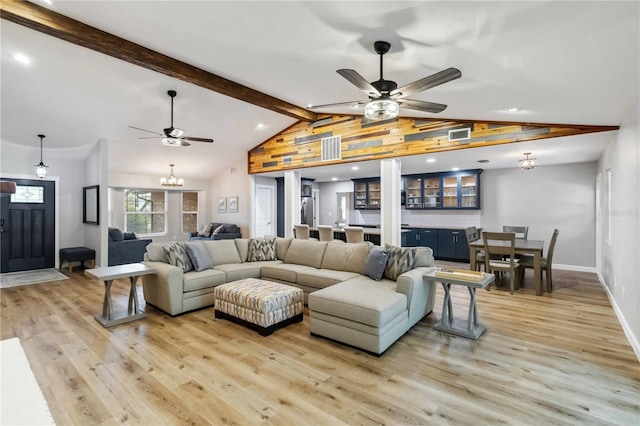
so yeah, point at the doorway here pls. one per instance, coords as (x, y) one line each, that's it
(265, 211)
(27, 226)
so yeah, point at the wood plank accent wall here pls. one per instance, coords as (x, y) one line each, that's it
(398, 137)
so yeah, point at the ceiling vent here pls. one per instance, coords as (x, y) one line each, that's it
(287, 159)
(331, 148)
(460, 134)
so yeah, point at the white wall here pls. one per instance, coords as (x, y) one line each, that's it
(620, 261)
(95, 171)
(329, 200)
(234, 181)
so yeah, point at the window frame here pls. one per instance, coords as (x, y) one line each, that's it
(164, 212)
(183, 212)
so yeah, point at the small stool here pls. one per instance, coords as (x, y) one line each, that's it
(77, 254)
(264, 306)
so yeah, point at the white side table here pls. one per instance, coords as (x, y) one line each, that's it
(470, 328)
(107, 275)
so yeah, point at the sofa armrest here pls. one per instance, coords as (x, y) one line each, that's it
(420, 293)
(225, 236)
(165, 288)
(127, 251)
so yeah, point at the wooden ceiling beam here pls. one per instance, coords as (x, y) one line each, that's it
(41, 19)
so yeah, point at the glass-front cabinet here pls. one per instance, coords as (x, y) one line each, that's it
(446, 190)
(366, 193)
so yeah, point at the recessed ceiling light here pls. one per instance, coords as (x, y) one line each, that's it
(455, 169)
(260, 125)
(22, 58)
(334, 179)
(483, 161)
(309, 105)
(49, 2)
(512, 109)
(354, 167)
(431, 160)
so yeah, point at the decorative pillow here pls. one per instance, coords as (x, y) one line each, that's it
(218, 230)
(156, 252)
(261, 249)
(130, 236)
(199, 256)
(376, 263)
(205, 230)
(401, 260)
(115, 234)
(177, 254)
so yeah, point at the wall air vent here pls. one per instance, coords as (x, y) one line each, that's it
(460, 134)
(287, 159)
(331, 148)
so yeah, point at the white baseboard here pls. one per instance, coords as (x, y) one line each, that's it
(575, 268)
(625, 326)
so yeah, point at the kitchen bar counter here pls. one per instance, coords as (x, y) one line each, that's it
(370, 234)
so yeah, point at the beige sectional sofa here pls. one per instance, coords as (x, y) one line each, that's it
(344, 304)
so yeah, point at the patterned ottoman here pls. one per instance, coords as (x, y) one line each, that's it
(263, 306)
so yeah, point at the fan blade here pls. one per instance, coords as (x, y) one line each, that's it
(421, 105)
(352, 103)
(359, 81)
(155, 133)
(433, 80)
(189, 138)
(184, 143)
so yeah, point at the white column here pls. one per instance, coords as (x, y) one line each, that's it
(291, 201)
(390, 217)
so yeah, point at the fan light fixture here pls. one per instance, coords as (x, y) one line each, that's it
(171, 142)
(171, 181)
(528, 163)
(381, 109)
(41, 168)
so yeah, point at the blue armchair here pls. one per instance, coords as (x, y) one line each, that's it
(126, 247)
(219, 231)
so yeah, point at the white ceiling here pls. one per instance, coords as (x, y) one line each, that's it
(559, 62)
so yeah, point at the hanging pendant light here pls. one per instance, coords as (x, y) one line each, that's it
(171, 180)
(41, 168)
(528, 163)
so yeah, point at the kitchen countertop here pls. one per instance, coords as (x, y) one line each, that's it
(405, 226)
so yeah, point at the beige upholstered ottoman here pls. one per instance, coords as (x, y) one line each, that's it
(263, 306)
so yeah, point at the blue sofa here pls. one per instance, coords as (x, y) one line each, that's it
(219, 231)
(126, 247)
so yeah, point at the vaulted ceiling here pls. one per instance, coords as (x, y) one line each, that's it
(558, 62)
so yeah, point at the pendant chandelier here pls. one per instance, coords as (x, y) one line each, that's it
(528, 163)
(41, 168)
(171, 180)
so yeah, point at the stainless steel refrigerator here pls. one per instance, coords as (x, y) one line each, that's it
(306, 211)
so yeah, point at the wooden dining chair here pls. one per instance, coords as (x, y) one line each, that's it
(472, 235)
(520, 231)
(526, 261)
(355, 234)
(494, 246)
(325, 232)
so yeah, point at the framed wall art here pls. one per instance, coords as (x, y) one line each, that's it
(232, 203)
(222, 205)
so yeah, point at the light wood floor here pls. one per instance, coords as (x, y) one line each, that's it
(561, 358)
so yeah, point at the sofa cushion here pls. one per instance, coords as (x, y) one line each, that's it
(306, 252)
(242, 244)
(156, 252)
(240, 271)
(424, 256)
(115, 234)
(222, 251)
(401, 260)
(346, 257)
(321, 278)
(200, 280)
(177, 254)
(130, 235)
(282, 245)
(284, 271)
(361, 299)
(218, 230)
(261, 249)
(376, 263)
(199, 256)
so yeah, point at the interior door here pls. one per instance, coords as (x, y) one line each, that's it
(265, 224)
(27, 226)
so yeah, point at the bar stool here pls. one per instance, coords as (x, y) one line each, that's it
(355, 234)
(325, 232)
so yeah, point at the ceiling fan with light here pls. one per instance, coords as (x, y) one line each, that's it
(173, 136)
(385, 98)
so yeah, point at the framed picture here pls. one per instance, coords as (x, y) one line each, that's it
(222, 205)
(233, 204)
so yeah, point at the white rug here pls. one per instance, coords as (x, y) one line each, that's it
(21, 400)
(14, 279)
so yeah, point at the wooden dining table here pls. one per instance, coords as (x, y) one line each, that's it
(522, 246)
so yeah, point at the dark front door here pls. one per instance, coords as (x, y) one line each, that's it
(27, 221)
